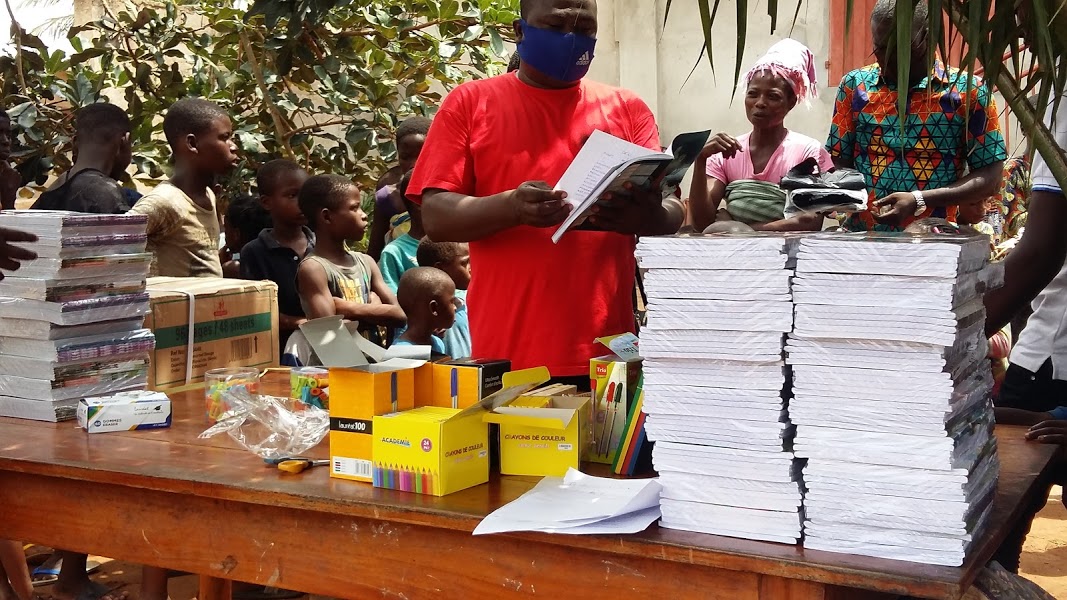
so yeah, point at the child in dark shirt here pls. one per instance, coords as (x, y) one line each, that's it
(276, 253)
(428, 297)
(245, 219)
(102, 154)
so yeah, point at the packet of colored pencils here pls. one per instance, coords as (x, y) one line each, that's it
(633, 439)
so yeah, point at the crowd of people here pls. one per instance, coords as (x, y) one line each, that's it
(471, 205)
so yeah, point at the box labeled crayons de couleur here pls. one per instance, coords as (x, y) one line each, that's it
(613, 379)
(545, 432)
(435, 450)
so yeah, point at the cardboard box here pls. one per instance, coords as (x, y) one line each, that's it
(464, 383)
(435, 450)
(234, 324)
(126, 411)
(359, 390)
(543, 435)
(613, 379)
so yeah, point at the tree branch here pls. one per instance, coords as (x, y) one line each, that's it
(280, 127)
(371, 31)
(17, 29)
(313, 126)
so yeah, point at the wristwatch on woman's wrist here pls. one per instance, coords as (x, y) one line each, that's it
(920, 204)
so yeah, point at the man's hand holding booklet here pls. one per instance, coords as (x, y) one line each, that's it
(608, 169)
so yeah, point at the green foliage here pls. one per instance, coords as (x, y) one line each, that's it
(325, 85)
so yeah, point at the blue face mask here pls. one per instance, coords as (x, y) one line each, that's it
(561, 56)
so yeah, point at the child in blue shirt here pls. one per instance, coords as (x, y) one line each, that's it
(428, 298)
(453, 258)
(399, 255)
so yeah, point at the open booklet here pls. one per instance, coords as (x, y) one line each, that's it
(605, 163)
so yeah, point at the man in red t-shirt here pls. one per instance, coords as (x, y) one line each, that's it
(495, 150)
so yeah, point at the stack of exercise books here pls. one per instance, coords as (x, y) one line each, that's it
(891, 394)
(71, 321)
(714, 380)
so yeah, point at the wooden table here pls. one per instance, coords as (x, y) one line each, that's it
(166, 498)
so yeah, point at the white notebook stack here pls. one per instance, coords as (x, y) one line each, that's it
(718, 309)
(891, 394)
(71, 320)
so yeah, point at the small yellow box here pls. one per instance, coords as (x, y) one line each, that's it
(543, 436)
(357, 395)
(463, 383)
(437, 451)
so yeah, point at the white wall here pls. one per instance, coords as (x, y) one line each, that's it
(636, 51)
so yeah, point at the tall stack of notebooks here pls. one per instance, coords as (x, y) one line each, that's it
(71, 320)
(891, 394)
(718, 309)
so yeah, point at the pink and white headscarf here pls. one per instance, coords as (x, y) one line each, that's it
(792, 61)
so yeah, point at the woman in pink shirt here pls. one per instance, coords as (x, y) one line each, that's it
(745, 171)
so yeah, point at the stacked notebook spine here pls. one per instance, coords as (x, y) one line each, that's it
(891, 394)
(718, 309)
(71, 321)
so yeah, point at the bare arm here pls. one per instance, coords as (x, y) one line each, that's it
(804, 222)
(449, 216)
(315, 290)
(289, 322)
(980, 183)
(1018, 416)
(706, 192)
(705, 195)
(1036, 259)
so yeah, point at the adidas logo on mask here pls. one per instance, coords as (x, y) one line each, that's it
(584, 60)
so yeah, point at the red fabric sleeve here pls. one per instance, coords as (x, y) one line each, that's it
(445, 161)
(646, 132)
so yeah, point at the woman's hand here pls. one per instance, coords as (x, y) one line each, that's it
(720, 143)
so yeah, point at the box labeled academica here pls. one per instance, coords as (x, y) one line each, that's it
(613, 379)
(126, 411)
(208, 323)
(544, 432)
(435, 450)
(463, 383)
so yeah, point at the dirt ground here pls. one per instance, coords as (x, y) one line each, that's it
(1045, 553)
(1044, 559)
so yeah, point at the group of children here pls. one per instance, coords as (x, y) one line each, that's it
(297, 230)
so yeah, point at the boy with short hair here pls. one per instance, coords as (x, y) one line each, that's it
(183, 228)
(10, 180)
(399, 254)
(389, 219)
(245, 219)
(454, 259)
(277, 252)
(102, 154)
(428, 297)
(331, 280)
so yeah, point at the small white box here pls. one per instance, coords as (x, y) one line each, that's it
(125, 411)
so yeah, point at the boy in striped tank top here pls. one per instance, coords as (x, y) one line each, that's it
(332, 280)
